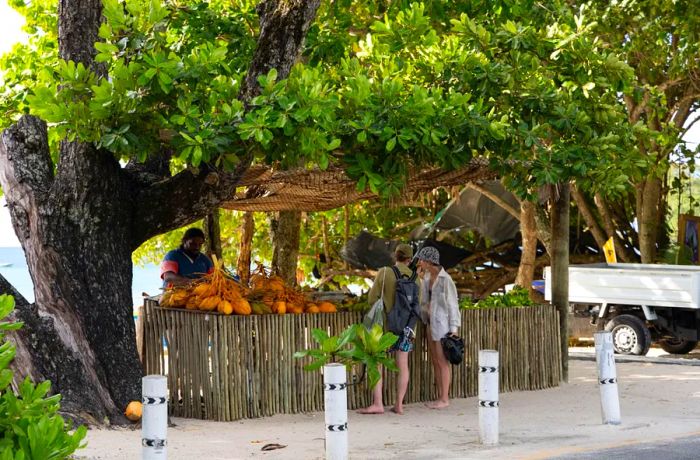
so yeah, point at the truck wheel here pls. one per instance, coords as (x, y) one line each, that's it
(629, 335)
(678, 346)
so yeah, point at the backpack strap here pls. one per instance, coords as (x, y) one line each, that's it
(400, 275)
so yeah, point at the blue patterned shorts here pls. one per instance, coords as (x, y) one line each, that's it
(404, 342)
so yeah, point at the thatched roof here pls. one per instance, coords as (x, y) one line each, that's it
(265, 189)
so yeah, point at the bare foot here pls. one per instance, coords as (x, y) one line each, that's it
(397, 410)
(438, 404)
(371, 410)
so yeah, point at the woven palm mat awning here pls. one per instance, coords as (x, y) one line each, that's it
(265, 189)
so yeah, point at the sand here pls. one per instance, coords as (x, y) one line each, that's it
(658, 402)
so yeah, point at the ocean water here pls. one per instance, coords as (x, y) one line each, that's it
(13, 266)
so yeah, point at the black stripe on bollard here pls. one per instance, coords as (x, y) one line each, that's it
(487, 369)
(334, 386)
(152, 401)
(157, 443)
(607, 381)
(488, 403)
(342, 427)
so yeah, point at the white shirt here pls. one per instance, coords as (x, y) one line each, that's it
(441, 305)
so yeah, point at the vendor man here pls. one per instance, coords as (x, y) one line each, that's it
(182, 265)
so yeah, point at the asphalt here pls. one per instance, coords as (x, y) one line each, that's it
(655, 356)
(685, 448)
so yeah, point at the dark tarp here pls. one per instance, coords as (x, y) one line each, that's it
(474, 211)
(367, 251)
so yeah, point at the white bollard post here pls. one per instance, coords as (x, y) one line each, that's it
(607, 378)
(336, 407)
(155, 417)
(488, 396)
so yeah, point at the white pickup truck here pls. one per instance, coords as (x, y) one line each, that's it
(638, 303)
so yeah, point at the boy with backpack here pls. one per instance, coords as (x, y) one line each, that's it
(397, 286)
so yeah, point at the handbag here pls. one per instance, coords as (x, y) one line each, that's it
(375, 315)
(453, 347)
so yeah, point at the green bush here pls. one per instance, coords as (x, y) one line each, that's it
(517, 297)
(30, 427)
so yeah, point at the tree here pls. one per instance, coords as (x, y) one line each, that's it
(659, 40)
(79, 219)
(189, 95)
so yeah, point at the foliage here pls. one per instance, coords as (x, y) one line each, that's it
(541, 89)
(355, 345)
(517, 297)
(660, 41)
(376, 96)
(682, 196)
(377, 218)
(29, 422)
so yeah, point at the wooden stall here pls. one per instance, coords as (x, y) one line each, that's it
(225, 368)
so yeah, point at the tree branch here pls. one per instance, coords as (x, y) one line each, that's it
(496, 199)
(635, 110)
(78, 32)
(283, 28)
(544, 233)
(188, 196)
(26, 169)
(609, 224)
(588, 216)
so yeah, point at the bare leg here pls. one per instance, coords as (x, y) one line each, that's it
(434, 362)
(377, 406)
(402, 384)
(445, 377)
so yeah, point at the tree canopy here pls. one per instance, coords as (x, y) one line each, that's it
(126, 119)
(381, 87)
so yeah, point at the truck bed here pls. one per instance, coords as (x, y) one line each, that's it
(632, 284)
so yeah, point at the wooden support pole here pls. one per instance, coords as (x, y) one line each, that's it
(560, 270)
(246, 247)
(212, 230)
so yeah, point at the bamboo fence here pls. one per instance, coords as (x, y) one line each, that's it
(234, 367)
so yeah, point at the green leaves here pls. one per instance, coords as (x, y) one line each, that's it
(516, 297)
(331, 348)
(427, 85)
(367, 348)
(31, 427)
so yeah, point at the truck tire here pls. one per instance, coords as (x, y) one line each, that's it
(678, 346)
(629, 335)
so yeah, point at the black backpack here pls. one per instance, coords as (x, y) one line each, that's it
(406, 310)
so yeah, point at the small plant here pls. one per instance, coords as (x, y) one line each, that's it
(355, 345)
(517, 297)
(30, 427)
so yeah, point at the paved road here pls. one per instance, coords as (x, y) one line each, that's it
(674, 449)
(655, 356)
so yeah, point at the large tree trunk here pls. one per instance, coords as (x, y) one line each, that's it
(72, 229)
(79, 226)
(528, 230)
(648, 203)
(560, 270)
(286, 246)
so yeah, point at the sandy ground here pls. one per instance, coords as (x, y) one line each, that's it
(658, 402)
